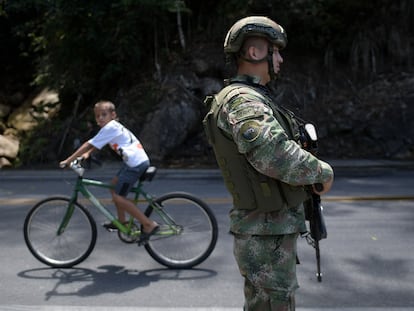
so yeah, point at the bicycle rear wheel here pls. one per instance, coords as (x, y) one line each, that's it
(60, 250)
(197, 236)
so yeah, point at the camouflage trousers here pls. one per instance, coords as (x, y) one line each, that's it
(268, 265)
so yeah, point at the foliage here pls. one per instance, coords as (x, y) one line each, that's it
(94, 47)
(352, 33)
(89, 48)
(99, 48)
(36, 146)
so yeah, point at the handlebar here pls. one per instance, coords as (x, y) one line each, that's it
(75, 165)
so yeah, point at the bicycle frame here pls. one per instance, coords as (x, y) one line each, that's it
(60, 231)
(82, 185)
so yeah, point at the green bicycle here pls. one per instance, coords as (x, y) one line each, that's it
(61, 233)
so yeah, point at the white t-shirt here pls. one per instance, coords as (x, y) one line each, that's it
(122, 141)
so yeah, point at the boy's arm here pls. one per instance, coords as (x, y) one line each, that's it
(84, 151)
(87, 154)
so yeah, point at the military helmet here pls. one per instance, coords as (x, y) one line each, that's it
(254, 26)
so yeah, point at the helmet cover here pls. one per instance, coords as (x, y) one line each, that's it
(254, 26)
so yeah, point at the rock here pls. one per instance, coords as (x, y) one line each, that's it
(42, 106)
(169, 126)
(178, 114)
(9, 146)
(209, 86)
(4, 162)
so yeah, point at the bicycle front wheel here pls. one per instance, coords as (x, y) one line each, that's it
(54, 245)
(196, 234)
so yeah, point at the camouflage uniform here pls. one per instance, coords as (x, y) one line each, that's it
(270, 148)
(265, 170)
(268, 265)
(265, 241)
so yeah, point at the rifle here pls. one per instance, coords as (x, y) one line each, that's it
(317, 232)
(313, 208)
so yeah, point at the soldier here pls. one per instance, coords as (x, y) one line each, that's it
(256, 144)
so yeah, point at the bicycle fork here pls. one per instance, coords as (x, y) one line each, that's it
(67, 216)
(71, 207)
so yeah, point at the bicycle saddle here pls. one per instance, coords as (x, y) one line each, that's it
(149, 174)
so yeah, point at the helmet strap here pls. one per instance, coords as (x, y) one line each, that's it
(253, 61)
(272, 74)
(242, 54)
(268, 59)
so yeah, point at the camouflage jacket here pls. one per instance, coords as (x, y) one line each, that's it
(271, 149)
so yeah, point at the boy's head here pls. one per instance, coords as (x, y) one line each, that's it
(104, 112)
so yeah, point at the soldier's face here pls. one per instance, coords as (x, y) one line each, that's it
(277, 59)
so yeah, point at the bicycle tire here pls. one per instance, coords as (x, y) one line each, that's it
(199, 233)
(71, 247)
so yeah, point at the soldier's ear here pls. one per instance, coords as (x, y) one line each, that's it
(255, 53)
(252, 52)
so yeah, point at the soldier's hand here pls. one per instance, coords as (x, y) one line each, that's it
(323, 188)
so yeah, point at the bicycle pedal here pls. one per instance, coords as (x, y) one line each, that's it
(142, 243)
(109, 227)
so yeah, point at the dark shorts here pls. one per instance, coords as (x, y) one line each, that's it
(128, 176)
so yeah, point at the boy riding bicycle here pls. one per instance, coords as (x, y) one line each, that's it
(135, 163)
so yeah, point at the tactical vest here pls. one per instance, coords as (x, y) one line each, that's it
(249, 188)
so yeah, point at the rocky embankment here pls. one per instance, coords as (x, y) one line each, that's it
(25, 118)
(373, 120)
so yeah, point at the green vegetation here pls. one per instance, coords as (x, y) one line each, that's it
(84, 46)
(91, 49)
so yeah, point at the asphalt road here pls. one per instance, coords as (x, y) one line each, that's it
(367, 260)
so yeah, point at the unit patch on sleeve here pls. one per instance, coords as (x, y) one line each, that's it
(250, 130)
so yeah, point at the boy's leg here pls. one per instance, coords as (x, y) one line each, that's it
(124, 181)
(120, 211)
(124, 205)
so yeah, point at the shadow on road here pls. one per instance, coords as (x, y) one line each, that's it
(107, 279)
